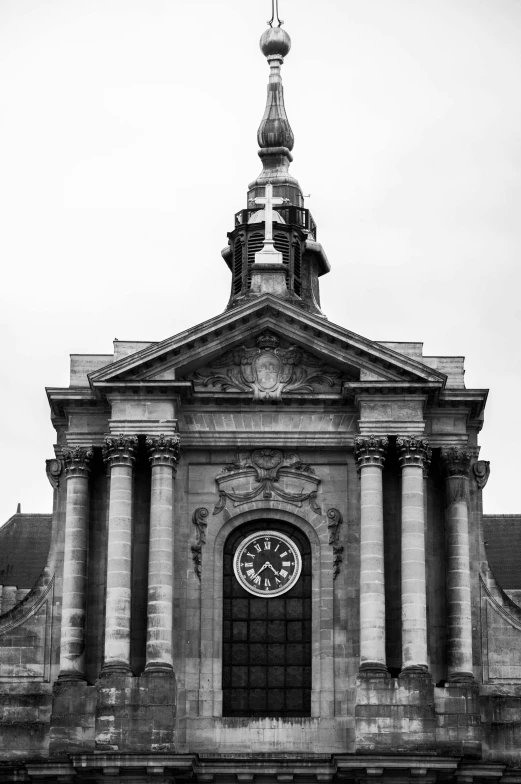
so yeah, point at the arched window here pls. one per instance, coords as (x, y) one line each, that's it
(267, 641)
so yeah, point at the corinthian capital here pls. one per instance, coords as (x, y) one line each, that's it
(120, 450)
(456, 462)
(413, 451)
(370, 450)
(163, 450)
(77, 460)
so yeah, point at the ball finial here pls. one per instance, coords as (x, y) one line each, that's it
(275, 41)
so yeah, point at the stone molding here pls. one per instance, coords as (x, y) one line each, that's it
(163, 450)
(371, 450)
(120, 450)
(77, 461)
(456, 462)
(413, 451)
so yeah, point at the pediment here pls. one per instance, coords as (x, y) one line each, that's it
(266, 349)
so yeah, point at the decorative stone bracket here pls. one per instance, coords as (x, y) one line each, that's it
(334, 521)
(267, 474)
(199, 519)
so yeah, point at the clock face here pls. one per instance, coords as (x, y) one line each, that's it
(267, 563)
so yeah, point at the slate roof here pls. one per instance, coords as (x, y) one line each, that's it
(24, 547)
(502, 534)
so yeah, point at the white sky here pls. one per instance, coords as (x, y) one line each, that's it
(128, 138)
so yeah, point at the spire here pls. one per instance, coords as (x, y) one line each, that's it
(275, 136)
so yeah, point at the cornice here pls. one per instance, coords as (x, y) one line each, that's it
(206, 340)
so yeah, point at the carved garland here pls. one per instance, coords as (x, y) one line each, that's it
(267, 474)
(267, 370)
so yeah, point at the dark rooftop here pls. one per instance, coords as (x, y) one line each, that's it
(24, 547)
(502, 534)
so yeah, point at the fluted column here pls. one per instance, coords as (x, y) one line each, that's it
(119, 453)
(459, 614)
(164, 454)
(413, 454)
(370, 453)
(72, 641)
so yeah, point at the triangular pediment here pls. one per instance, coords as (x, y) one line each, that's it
(266, 347)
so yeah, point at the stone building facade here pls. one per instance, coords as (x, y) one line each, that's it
(167, 638)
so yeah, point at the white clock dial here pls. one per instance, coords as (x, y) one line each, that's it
(267, 563)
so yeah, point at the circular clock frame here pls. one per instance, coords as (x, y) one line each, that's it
(293, 562)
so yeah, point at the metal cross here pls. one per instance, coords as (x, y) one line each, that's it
(268, 200)
(275, 13)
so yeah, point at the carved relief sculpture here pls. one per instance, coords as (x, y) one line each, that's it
(267, 474)
(481, 471)
(334, 521)
(53, 469)
(267, 370)
(199, 519)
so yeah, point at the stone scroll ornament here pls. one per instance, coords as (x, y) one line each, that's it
(268, 474)
(53, 469)
(267, 370)
(481, 470)
(334, 521)
(200, 520)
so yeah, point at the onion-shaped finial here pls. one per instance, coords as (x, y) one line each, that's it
(275, 41)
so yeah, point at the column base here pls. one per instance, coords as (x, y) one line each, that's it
(115, 668)
(71, 675)
(460, 677)
(373, 669)
(415, 671)
(159, 668)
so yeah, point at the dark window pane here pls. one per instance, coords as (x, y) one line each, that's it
(295, 699)
(258, 700)
(227, 677)
(276, 607)
(258, 654)
(275, 677)
(240, 631)
(239, 677)
(294, 608)
(295, 653)
(275, 653)
(294, 676)
(258, 631)
(227, 630)
(258, 677)
(294, 631)
(240, 609)
(259, 608)
(276, 631)
(239, 654)
(227, 654)
(276, 699)
(239, 699)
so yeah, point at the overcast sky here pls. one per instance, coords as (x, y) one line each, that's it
(128, 138)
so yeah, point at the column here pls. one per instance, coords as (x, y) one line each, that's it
(370, 453)
(164, 454)
(413, 454)
(119, 453)
(72, 641)
(459, 613)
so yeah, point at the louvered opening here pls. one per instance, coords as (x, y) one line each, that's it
(255, 243)
(237, 266)
(297, 267)
(281, 242)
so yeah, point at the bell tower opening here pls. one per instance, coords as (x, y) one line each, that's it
(267, 621)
